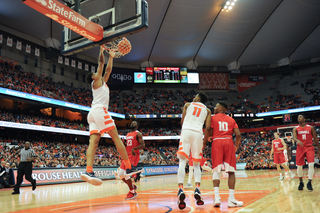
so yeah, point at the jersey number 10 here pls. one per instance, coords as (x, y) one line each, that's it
(223, 126)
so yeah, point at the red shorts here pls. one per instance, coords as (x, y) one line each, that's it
(304, 152)
(134, 160)
(279, 158)
(203, 160)
(223, 150)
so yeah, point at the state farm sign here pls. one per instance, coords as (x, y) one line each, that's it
(67, 17)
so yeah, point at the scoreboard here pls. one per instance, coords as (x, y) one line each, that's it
(166, 75)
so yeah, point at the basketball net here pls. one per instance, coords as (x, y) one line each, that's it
(120, 47)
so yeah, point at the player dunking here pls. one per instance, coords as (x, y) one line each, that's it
(99, 120)
(303, 135)
(193, 117)
(223, 150)
(278, 147)
(134, 144)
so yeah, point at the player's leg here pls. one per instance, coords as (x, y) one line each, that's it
(276, 160)
(125, 178)
(286, 167)
(217, 160)
(196, 149)
(279, 171)
(300, 156)
(183, 155)
(189, 184)
(230, 168)
(89, 176)
(310, 158)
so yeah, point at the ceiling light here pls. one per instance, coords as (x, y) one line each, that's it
(228, 2)
(222, 10)
(229, 8)
(232, 3)
(225, 7)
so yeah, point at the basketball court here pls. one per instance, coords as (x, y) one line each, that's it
(261, 191)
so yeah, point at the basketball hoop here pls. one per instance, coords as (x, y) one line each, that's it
(120, 47)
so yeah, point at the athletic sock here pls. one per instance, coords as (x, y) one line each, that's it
(89, 169)
(231, 194)
(216, 191)
(127, 163)
(132, 191)
(198, 186)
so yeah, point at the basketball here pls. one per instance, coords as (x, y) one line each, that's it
(124, 46)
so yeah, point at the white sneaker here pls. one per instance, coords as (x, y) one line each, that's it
(292, 175)
(216, 201)
(189, 185)
(234, 203)
(281, 178)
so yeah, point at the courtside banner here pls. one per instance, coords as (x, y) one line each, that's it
(38, 98)
(67, 17)
(45, 176)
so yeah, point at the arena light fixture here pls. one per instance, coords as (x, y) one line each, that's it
(228, 5)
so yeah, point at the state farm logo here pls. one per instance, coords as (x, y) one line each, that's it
(43, 2)
(122, 77)
(63, 11)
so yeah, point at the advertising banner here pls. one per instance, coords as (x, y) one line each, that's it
(45, 176)
(247, 81)
(214, 81)
(121, 76)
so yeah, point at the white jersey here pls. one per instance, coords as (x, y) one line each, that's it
(100, 95)
(195, 116)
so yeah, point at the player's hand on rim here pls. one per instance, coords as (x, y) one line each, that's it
(112, 53)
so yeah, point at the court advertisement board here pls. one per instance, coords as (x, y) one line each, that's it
(45, 176)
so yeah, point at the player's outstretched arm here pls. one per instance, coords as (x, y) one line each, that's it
(97, 76)
(109, 67)
(294, 137)
(184, 112)
(141, 142)
(208, 127)
(238, 137)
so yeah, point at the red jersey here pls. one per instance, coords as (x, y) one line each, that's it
(223, 126)
(277, 145)
(304, 135)
(132, 142)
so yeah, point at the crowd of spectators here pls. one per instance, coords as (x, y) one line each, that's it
(56, 154)
(15, 78)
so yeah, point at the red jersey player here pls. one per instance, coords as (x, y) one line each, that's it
(303, 135)
(278, 146)
(134, 144)
(223, 150)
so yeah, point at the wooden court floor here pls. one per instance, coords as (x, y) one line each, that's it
(261, 191)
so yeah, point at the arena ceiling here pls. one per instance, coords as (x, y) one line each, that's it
(198, 33)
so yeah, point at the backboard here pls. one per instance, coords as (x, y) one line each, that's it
(118, 18)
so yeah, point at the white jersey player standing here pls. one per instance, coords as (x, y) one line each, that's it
(194, 115)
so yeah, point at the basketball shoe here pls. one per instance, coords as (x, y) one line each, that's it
(234, 203)
(189, 185)
(309, 186)
(301, 185)
(133, 170)
(131, 195)
(217, 202)
(197, 196)
(91, 178)
(181, 197)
